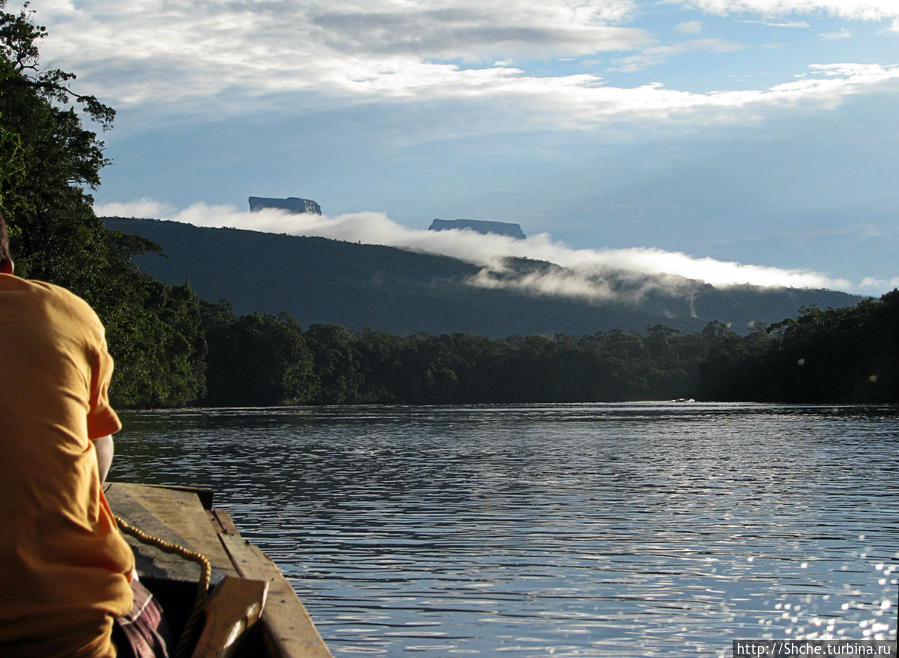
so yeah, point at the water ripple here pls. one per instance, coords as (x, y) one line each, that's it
(565, 530)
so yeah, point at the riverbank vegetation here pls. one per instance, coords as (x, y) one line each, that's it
(827, 356)
(173, 349)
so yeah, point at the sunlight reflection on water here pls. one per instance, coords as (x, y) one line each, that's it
(566, 530)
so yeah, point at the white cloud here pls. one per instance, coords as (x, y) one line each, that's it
(826, 85)
(476, 31)
(188, 49)
(144, 207)
(843, 33)
(689, 27)
(586, 270)
(870, 10)
(875, 284)
(661, 54)
(173, 59)
(793, 25)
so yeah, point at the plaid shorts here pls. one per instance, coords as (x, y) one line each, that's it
(143, 632)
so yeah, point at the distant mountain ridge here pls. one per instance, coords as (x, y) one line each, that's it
(480, 225)
(290, 204)
(322, 281)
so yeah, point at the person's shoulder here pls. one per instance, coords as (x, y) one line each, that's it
(61, 298)
(71, 300)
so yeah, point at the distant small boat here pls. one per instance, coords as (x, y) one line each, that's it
(683, 400)
(251, 609)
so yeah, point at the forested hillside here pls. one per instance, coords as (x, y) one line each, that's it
(358, 286)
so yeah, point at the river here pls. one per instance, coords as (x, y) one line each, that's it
(644, 529)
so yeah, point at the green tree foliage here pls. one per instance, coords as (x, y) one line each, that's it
(838, 355)
(258, 360)
(158, 343)
(337, 364)
(375, 367)
(48, 162)
(50, 158)
(846, 355)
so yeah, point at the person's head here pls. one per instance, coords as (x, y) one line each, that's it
(6, 265)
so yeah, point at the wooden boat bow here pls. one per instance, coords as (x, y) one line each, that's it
(258, 614)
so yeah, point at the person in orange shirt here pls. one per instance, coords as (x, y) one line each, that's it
(65, 571)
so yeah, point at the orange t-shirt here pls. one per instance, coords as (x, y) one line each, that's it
(64, 567)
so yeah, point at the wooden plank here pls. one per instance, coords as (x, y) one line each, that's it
(223, 521)
(234, 606)
(151, 561)
(205, 494)
(174, 516)
(182, 512)
(287, 628)
(216, 524)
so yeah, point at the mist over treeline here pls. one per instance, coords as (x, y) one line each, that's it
(173, 349)
(321, 280)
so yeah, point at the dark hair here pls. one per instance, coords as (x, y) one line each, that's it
(4, 241)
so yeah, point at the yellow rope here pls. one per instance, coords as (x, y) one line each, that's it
(188, 635)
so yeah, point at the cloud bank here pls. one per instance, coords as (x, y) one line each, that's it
(586, 272)
(180, 58)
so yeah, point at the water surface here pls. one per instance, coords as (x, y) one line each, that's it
(569, 530)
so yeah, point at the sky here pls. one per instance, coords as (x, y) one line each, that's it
(732, 141)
